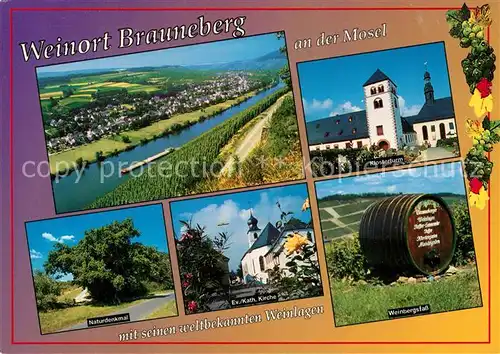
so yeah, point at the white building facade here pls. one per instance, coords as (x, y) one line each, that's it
(381, 123)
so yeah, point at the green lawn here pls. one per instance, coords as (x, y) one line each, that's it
(355, 304)
(167, 310)
(108, 145)
(55, 320)
(65, 159)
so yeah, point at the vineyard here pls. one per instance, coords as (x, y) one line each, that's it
(176, 174)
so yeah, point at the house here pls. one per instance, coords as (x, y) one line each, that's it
(266, 248)
(381, 123)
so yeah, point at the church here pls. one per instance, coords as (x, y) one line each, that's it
(381, 123)
(266, 248)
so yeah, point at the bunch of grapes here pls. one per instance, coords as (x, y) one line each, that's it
(480, 62)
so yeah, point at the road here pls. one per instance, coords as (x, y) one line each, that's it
(252, 138)
(136, 312)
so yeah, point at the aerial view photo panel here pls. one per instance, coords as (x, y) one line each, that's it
(170, 122)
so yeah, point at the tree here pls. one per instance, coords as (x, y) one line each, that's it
(46, 290)
(68, 92)
(284, 72)
(109, 264)
(125, 139)
(239, 271)
(201, 263)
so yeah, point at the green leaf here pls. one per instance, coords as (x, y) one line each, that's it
(494, 125)
(486, 123)
(464, 13)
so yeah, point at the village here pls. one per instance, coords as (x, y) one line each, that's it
(91, 124)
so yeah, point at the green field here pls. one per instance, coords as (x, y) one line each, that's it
(61, 161)
(66, 159)
(361, 303)
(354, 218)
(353, 207)
(161, 79)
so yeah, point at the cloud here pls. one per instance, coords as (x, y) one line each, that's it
(346, 107)
(391, 189)
(234, 217)
(35, 254)
(317, 105)
(51, 238)
(408, 111)
(374, 179)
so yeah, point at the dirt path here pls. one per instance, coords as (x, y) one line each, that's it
(253, 137)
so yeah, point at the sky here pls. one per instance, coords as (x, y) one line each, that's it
(335, 86)
(443, 178)
(243, 48)
(234, 210)
(44, 234)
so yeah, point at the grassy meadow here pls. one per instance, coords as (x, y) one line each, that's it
(361, 303)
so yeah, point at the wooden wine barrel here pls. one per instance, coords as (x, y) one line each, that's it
(409, 233)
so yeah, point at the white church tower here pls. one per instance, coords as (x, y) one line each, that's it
(382, 112)
(253, 230)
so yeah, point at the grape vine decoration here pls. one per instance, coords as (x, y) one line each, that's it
(470, 26)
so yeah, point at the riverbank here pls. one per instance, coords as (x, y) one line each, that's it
(111, 146)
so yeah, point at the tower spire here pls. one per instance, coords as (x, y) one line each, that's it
(428, 89)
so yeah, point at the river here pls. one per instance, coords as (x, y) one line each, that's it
(71, 194)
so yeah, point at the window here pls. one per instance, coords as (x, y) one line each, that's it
(433, 128)
(309, 236)
(317, 126)
(425, 133)
(380, 88)
(337, 121)
(354, 130)
(340, 132)
(378, 103)
(395, 103)
(373, 90)
(452, 126)
(317, 148)
(336, 146)
(380, 130)
(328, 147)
(348, 145)
(350, 118)
(360, 144)
(327, 134)
(261, 263)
